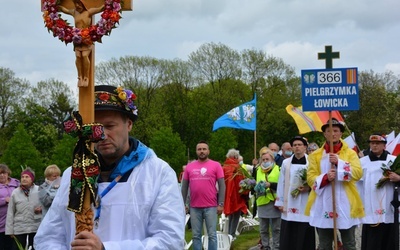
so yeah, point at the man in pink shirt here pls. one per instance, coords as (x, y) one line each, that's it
(206, 201)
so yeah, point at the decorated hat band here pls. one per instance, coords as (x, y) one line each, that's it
(377, 138)
(116, 99)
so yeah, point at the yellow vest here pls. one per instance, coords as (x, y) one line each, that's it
(273, 176)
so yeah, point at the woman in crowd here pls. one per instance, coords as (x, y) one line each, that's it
(24, 210)
(48, 190)
(234, 204)
(267, 181)
(7, 185)
(312, 147)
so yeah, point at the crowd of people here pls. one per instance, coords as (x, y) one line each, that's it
(23, 204)
(304, 194)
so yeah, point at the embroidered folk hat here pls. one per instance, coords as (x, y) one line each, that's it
(336, 123)
(108, 97)
(299, 138)
(377, 138)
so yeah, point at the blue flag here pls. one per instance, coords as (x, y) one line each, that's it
(241, 117)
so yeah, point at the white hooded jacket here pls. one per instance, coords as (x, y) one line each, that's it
(145, 212)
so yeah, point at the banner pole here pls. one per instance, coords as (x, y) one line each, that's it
(255, 144)
(333, 184)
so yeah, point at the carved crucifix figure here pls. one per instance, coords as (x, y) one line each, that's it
(83, 12)
(83, 19)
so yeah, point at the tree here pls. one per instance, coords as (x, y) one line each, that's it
(173, 98)
(255, 67)
(169, 147)
(178, 72)
(215, 62)
(12, 91)
(137, 73)
(274, 124)
(38, 123)
(168, 95)
(142, 75)
(377, 106)
(56, 98)
(22, 152)
(183, 98)
(221, 141)
(63, 152)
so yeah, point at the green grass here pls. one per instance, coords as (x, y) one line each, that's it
(247, 239)
(243, 241)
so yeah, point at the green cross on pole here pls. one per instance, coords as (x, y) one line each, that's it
(328, 56)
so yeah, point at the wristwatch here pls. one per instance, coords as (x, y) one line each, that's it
(221, 204)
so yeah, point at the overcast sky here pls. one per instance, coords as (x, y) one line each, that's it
(365, 32)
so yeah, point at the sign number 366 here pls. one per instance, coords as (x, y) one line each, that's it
(329, 77)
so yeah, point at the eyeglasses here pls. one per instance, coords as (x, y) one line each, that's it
(298, 145)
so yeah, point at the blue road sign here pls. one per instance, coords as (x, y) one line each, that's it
(329, 89)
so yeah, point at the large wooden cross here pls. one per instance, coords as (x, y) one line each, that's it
(328, 56)
(84, 220)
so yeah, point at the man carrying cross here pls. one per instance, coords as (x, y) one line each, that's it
(321, 175)
(139, 203)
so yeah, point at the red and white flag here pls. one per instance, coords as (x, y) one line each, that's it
(350, 141)
(394, 146)
(390, 137)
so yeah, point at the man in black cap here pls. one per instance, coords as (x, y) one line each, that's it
(377, 193)
(340, 165)
(292, 196)
(144, 210)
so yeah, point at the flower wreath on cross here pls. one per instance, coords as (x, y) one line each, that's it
(85, 36)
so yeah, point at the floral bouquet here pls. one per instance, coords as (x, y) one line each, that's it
(386, 169)
(302, 176)
(260, 188)
(246, 185)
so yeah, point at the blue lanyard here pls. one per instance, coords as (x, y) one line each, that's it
(105, 191)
